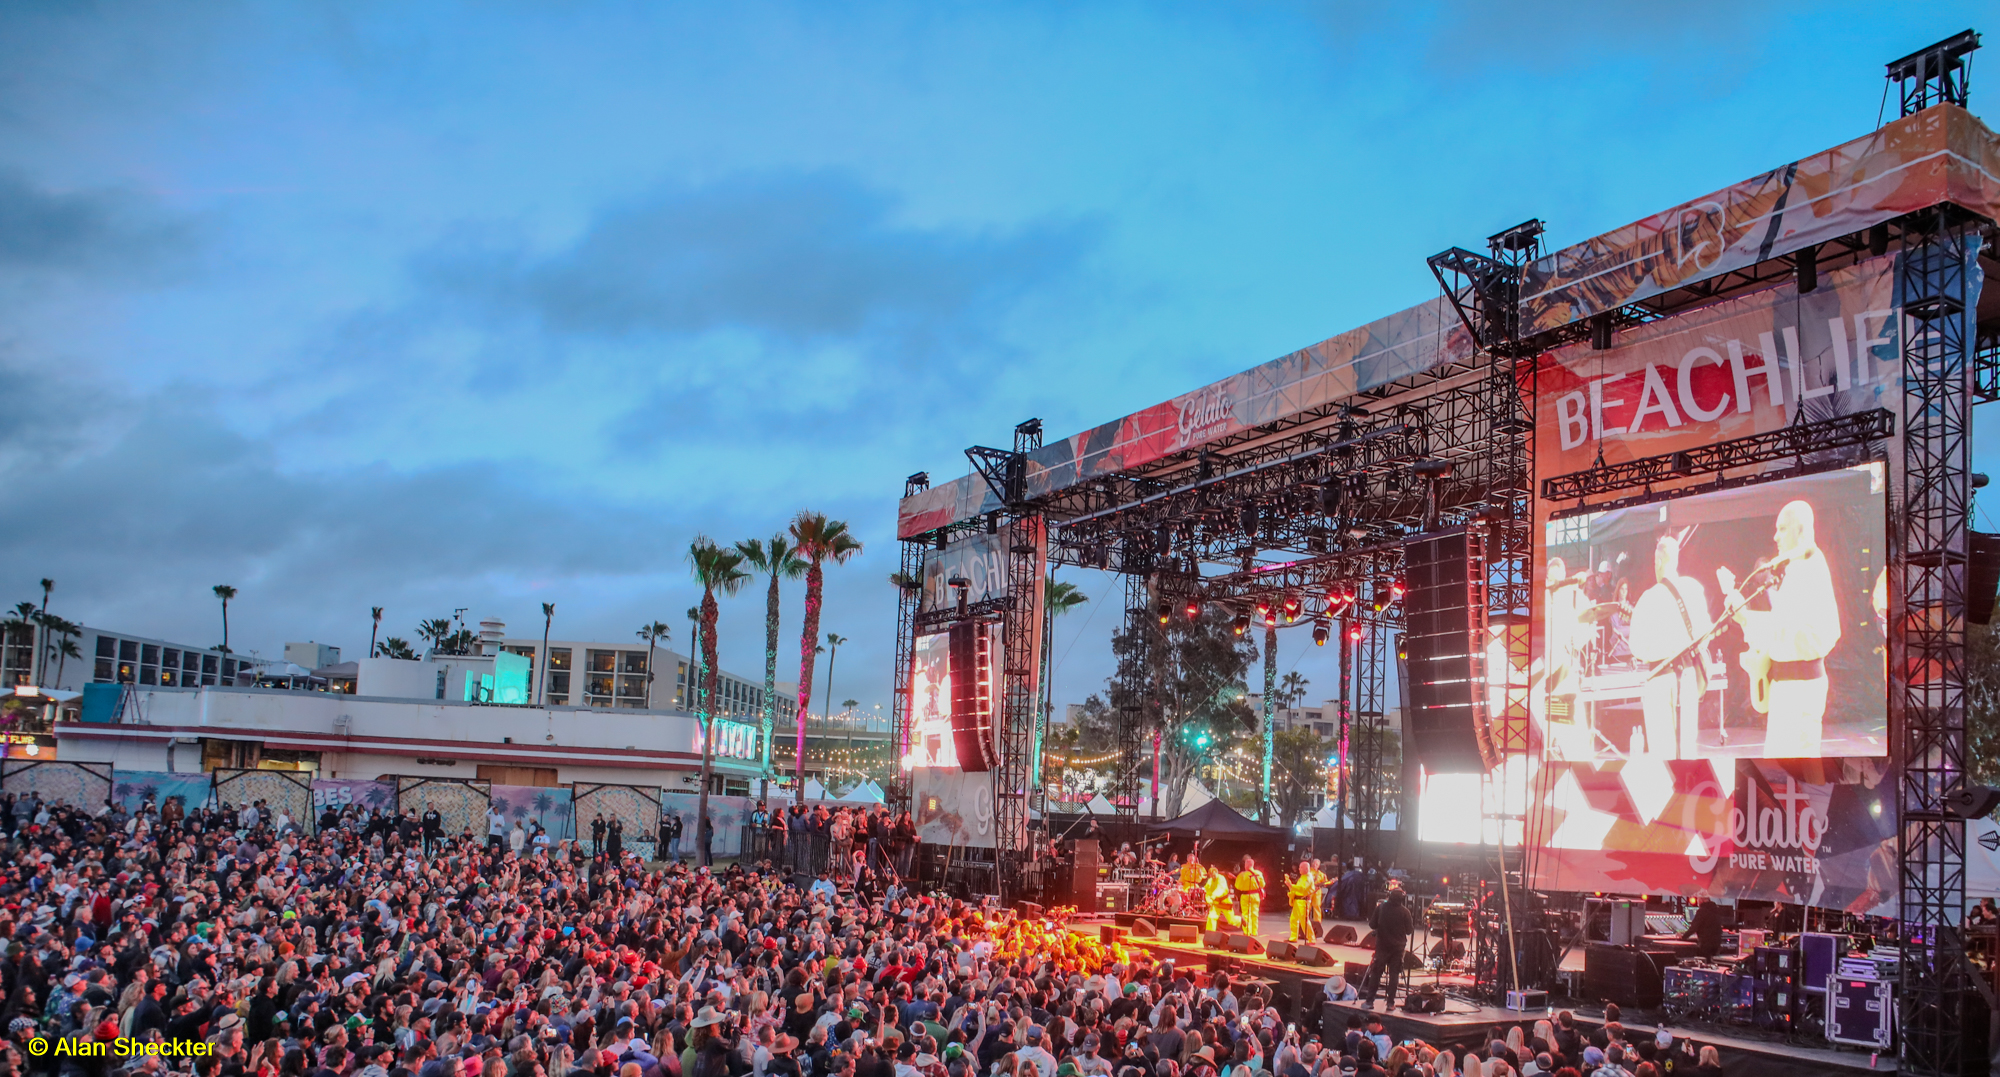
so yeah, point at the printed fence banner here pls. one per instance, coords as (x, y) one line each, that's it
(729, 815)
(550, 807)
(953, 807)
(135, 787)
(365, 796)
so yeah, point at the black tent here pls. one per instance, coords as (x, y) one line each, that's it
(1219, 822)
(1221, 836)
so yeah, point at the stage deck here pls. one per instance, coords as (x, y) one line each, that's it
(1468, 1024)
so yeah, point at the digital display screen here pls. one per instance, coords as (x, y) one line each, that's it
(1743, 623)
(930, 704)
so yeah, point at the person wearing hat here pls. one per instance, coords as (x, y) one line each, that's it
(1036, 1053)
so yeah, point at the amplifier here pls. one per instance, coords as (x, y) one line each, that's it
(1113, 897)
(1622, 975)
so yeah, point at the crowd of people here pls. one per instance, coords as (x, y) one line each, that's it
(358, 951)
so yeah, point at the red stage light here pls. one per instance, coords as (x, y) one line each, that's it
(1354, 633)
(1193, 608)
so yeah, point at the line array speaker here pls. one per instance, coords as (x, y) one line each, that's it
(1439, 625)
(972, 696)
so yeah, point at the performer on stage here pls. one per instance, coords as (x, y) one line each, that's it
(1220, 908)
(1250, 889)
(1191, 874)
(1705, 928)
(1304, 892)
(1790, 640)
(1669, 617)
(1392, 925)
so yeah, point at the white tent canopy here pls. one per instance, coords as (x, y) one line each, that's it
(1101, 805)
(816, 791)
(1982, 859)
(865, 793)
(1192, 796)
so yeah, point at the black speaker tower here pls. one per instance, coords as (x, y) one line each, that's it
(1439, 637)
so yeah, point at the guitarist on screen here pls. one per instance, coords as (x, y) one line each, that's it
(1669, 624)
(1788, 642)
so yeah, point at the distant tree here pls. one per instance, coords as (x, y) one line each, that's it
(716, 569)
(225, 592)
(396, 647)
(1200, 710)
(652, 633)
(819, 540)
(1298, 771)
(1982, 703)
(778, 560)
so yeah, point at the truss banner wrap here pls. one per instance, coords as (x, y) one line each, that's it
(979, 560)
(283, 791)
(1943, 154)
(953, 807)
(461, 801)
(1421, 338)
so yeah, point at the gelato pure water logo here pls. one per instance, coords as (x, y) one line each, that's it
(1204, 412)
(1779, 831)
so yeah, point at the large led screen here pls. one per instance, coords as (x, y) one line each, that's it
(1742, 623)
(930, 704)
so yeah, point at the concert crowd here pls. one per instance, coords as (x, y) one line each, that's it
(244, 947)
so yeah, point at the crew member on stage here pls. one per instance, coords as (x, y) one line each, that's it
(1706, 928)
(1221, 909)
(1392, 925)
(1669, 617)
(1250, 890)
(1304, 892)
(1794, 635)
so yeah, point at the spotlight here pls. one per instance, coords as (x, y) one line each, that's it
(1193, 609)
(1264, 608)
(1396, 589)
(1270, 618)
(1330, 496)
(1166, 611)
(1354, 633)
(1319, 633)
(1402, 646)
(1242, 624)
(1250, 517)
(1291, 608)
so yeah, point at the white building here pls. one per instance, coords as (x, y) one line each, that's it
(581, 673)
(335, 735)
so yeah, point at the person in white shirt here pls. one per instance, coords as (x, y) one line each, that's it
(1036, 1053)
(496, 829)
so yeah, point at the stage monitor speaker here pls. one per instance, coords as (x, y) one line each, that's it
(1109, 933)
(1982, 576)
(1367, 941)
(1439, 636)
(1618, 974)
(1244, 944)
(1028, 910)
(1279, 950)
(1356, 972)
(1341, 935)
(971, 664)
(1428, 998)
(1308, 954)
(1143, 929)
(1457, 949)
(1183, 933)
(1215, 940)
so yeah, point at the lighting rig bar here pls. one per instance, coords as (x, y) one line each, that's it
(1794, 442)
(986, 609)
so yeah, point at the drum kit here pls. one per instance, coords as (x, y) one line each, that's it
(1164, 895)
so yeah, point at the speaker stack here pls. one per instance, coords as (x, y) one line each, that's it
(971, 665)
(1439, 636)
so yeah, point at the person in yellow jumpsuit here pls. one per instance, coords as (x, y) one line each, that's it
(1220, 906)
(1250, 891)
(1191, 873)
(1304, 893)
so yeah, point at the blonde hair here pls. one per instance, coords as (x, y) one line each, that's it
(1710, 1054)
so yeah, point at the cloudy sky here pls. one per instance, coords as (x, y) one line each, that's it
(432, 305)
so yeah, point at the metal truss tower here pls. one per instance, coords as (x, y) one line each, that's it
(909, 600)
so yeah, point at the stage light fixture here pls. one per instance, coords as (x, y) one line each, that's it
(1270, 618)
(1319, 633)
(1291, 608)
(1264, 608)
(1396, 589)
(1193, 609)
(1402, 646)
(1242, 623)
(1354, 633)
(1330, 497)
(1166, 611)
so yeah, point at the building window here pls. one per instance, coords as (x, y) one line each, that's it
(632, 662)
(105, 671)
(558, 701)
(148, 675)
(598, 685)
(603, 661)
(559, 684)
(208, 665)
(559, 658)
(126, 672)
(631, 687)
(169, 675)
(128, 650)
(107, 647)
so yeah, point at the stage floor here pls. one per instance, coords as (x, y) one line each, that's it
(1466, 1023)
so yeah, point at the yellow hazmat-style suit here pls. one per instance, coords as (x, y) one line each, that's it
(1191, 873)
(1250, 890)
(1216, 888)
(1302, 891)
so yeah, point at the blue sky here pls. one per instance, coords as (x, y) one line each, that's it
(430, 305)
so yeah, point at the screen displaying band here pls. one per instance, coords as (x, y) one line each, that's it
(1741, 623)
(930, 704)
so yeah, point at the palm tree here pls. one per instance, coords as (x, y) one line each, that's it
(819, 540)
(1058, 598)
(438, 631)
(548, 621)
(396, 647)
(41, 667)
(779, 560)
(64, 653)
(833, 643)
(694, 652)
(652, 634)
(376, 613)
(225, 592)
(716, 569)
